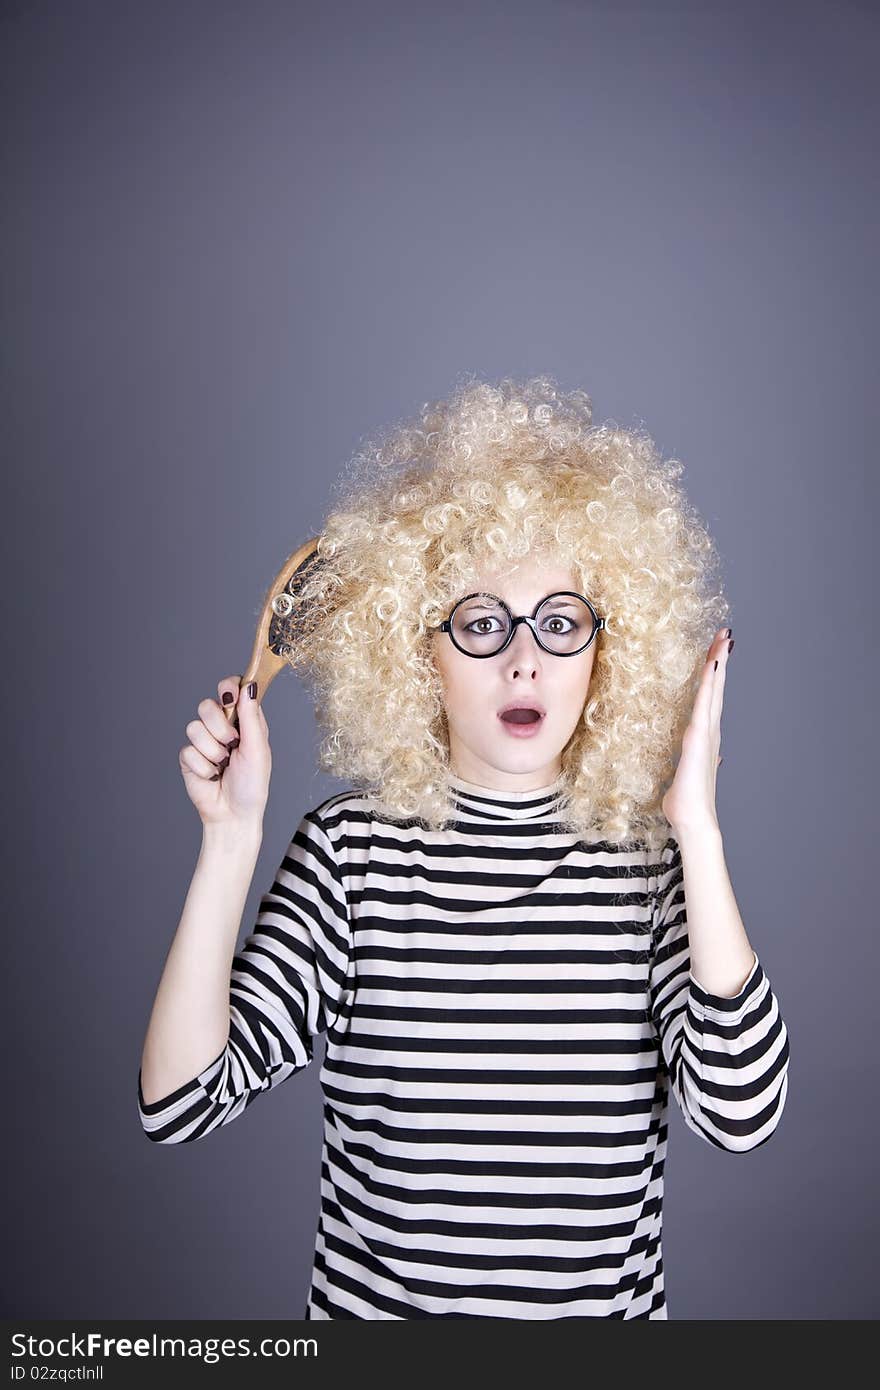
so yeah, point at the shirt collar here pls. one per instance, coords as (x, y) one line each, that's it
(489, 804)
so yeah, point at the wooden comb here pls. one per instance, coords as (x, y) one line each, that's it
(281, 621)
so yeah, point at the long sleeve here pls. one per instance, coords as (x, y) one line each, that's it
(727, 1058)
(286, 985)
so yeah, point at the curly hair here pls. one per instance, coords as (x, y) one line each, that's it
(494, 473)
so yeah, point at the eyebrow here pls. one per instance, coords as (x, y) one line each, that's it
(479, 602)
(564, 602)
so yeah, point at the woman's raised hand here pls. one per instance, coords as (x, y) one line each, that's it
(226, 771)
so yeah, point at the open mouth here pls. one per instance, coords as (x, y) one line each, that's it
(521, 716)
(522, 721)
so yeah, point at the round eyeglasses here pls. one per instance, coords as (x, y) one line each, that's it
(482, 625)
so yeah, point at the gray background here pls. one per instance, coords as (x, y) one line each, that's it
(237, 240)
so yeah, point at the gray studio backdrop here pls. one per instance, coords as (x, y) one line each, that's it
(237, 240)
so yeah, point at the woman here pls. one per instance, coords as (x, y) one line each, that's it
(516, 929)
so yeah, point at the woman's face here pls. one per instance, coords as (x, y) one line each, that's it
(483, 748)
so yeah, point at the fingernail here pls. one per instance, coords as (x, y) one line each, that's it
(729, 632)
(228, 697)
(234, 744)
(720, 761)
(716, 665)
(252, 689)
(215, 778)
(223, 764)
(730, 647)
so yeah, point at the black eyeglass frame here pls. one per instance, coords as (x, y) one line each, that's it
(446, 625)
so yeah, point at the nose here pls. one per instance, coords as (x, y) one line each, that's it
(523, 649)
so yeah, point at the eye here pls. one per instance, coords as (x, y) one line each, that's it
(559, 618)
(472, 626)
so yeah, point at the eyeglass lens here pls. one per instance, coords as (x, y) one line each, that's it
(480, 625)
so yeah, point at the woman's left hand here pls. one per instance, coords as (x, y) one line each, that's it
(690, 801)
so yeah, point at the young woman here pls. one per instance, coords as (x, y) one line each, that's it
(516, 928)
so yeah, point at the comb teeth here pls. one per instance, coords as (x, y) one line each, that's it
(290, 620)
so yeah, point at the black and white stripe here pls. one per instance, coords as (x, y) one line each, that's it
(506, 1007)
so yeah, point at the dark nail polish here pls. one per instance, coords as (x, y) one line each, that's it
(228, 697)
(234, 744)
(716, 665)
(252, 689)
(730, 647)
(223, 764)
(729, 632)
(215, 778)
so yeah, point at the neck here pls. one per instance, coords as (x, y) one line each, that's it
(479, 774)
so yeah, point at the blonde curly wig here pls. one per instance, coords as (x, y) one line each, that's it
(492, 474)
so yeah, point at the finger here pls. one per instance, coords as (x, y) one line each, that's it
(718, 683)
(703, 701)
(230, 691)
(251, 720)
(215, 721)
(202, 739)
(230, 685)
(702, 710)
(195, 764)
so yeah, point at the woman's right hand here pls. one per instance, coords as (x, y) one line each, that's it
(241, 791)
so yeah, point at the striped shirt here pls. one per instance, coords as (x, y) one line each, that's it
(506, 1007)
